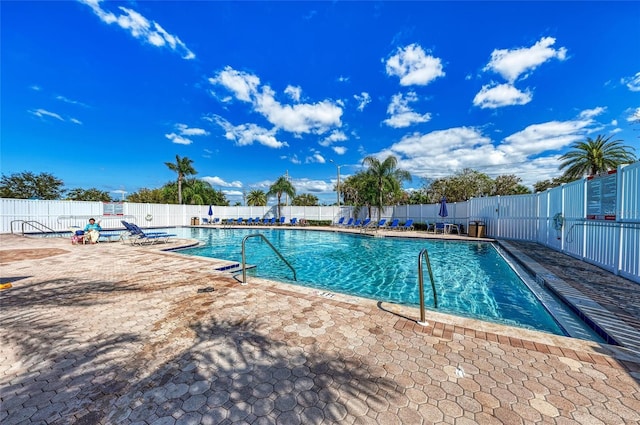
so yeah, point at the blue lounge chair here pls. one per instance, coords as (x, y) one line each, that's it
(257, 221)
(357, 223)
(281, 221)
(249, 221)
(139, 237)
(349, 223)
(339, 222)
(394, 224)
(381, 223)
(271, 222)
(408, 225)
(366, 222)
(293, 222)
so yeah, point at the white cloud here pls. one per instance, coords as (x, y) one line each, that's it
(43, 113)
(340, 150)
(413, 66)
(217, 181)
(590, 113)
(363, 100)
(401, 114)
(294, 93)
(185, 130)
(300, 118)
(247, 134)
(140, 27)
(70, 101)
(634, 116)
(243, 85)
(312, 186)
(315, 158)
(75, 121)
(496, 96)
(316, 118)
(531, 154)
(183, 133)
(549, 136)
(178, 139)
(511, 64)
(35, 88)
(342, 79)
(632, 83)
(335, 136)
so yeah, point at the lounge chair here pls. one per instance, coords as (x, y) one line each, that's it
(249, 221)
(357, 223)
(366, 222)
(394, 224)
(281, 221)
(293, 222)
(439, 228)
(271, 222)
(381, 223)
(339, 222)
(139, 237)
(257, 221)
(408, 225)
(349, 223)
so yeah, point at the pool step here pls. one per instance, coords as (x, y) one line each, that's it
(233, 268)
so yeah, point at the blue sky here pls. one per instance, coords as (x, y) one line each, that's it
(101, 94)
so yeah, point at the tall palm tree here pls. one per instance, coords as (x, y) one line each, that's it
(280, 186)
(387, 176)
(595, 156)
(257, 198)
(183, 167)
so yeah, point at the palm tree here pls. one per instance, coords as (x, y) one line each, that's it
(280, 186)
(183, 167)
(388, 178)
(595, 156)
(257, 198)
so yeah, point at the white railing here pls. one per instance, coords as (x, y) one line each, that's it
(612, 245)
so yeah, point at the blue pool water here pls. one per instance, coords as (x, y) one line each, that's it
(472, 279)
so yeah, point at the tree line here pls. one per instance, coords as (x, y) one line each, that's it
(377, 185)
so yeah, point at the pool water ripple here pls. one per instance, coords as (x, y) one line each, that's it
(472, 279)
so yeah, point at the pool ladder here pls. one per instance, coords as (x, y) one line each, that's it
(424, 254)
(35, 225)
(244, 262)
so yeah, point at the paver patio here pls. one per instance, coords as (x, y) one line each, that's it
(118, 334)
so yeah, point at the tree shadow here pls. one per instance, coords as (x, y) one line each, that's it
(228, 371)
(234, 372)
(61, 292)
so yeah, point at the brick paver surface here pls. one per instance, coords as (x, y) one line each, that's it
(116, 334)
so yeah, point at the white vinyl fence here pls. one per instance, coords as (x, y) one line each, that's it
(556, 218)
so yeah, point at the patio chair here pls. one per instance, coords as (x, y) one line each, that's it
(381, 223)
(408, 225)
(340, 222)
(139, 237)
(249, 221)
(439, 228)
(349, 223)
(293, 222)
(394, 224)
(257, 221)
(281, 221)
(365, 223)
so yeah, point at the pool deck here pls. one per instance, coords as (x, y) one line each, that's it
(119, 334)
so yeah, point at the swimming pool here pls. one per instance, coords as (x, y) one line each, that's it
(472, 278)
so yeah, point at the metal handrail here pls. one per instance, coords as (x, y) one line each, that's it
(34, 224)
(244, 262)
(424, 253)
